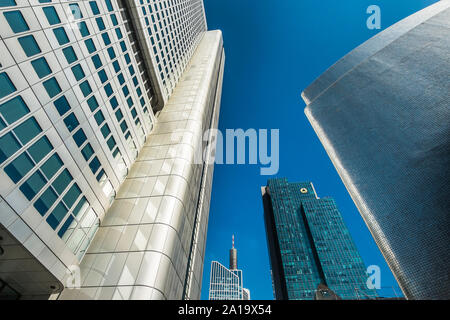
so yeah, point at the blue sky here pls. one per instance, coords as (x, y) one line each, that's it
(274, 50)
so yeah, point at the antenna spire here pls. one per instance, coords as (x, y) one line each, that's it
(232, 241)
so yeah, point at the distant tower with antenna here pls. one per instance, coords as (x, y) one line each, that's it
(233, 256)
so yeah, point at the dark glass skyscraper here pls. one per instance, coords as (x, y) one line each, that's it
(309, 244)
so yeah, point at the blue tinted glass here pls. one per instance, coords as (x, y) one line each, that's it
(131, 69)
(111, 143)
(93, 103)
(108, 90)
(134, 113)
(106, 39)
(41, 67)
(62, 105)
(125, 90)
(123, 46)
(6, 86)
(72, 195)
(79, 206)
(61, 36)
(45, 1)
(121, 78)
(94, 165)
(51, 15)
(99, 118)
(52, 87)
(76, 11)
(62, 181)
(111, 53)
(2, 124)
(7, 3)
(14, 109)
(127, 58)
(135, 81)
(16, 21)
(71, 122)
(119, 33)
(97, 61)
(78, 72)
(70, 55)
(102, 75)
(119, 115)
(40, 149)
(100, 175)
(85, 88)
(51, 166)
(87, 152)
(90, 45)
(65, 226)
(139, 92)
(114, 103)
(29, 45)
(46, 200)
(20, 166)
(33, 185)
(109, 5)
(79, 137)
(27, 130)
(100, 23)
(57, 215)
(94, 7)
(8, 146)
(83, 29)
(114, 19)
(130, 102)
(116, 66)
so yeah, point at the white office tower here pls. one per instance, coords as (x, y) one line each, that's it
(103, 109)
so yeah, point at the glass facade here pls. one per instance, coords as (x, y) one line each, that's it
(225, 284)
(309, 244)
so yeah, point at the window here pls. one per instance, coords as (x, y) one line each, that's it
(41, 67)
(100, 23)
(33, 185)
(6, 86)
(51, 166)
(114, 103)
(92, 103)
(106, 39)
(46, 200)
(116, 66)
(111, 143)
(8, 146)
(62, 181)
(40, 149)
(94, 165)
(71, 122)
(72, 195)
(7, 3)
(14, 109)
(16, 21)
(99, 117)
(62, 105)
(27, 130)
(68, 224)
(83, 29)
(87, 152)
(121, 79)
(29, 45)
(119, 33)
(108, 90)
(78, 72)
(70, 55)
(90, 45)
(111, 53)
(94, 7)
(17, 169)
(85, 88)
(52, 87)
(102, 75)
(61, 36)
(51, 15)
(114, 19)
(57, 215)
(79, 137)
(105, 130)
(97, 62)
(76, 11)
(109, 5)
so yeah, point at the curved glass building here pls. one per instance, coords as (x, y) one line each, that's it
(382, 113)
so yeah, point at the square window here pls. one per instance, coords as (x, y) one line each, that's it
(27, 130)
(85, 88)
(46, 200)
(6, 86)
(79, 137)
(121, 79)
(99, 117)
(92, 103)
(62, 181)
(90, 45)
(114, 103)
(82, 26)
(14, 109)
(97, 61)
(8, 146)
(17, 169)
(41, 67)
(87, 152)
(108, 90)
(102, 75)
(62, 105)
(29, 45)
(111, 143)
(72, 195)
(61, 36)
(57, 215)
(52, 87)
(70, 55)
(16, 21)
(51, 166)
(51, 15)
(78, 72)
(94, 165)
(33, 185)
(40, 149)
(71, 122)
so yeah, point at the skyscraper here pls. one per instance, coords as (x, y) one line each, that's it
(227, 284)
(309, 244)
(381, 113)
(103, 105)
